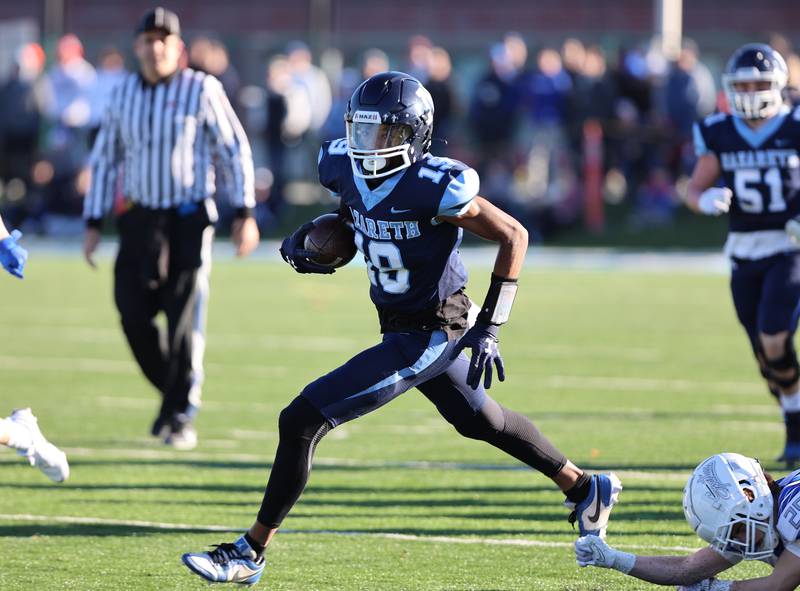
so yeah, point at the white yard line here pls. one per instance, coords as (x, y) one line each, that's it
(557, 381)
(115, 366)
(147, 403)
(323, 343)
(566, 351)
(647, 384)
(70, 333)
(70, 364)
(437, 425)
(158, 525)
(190, 456)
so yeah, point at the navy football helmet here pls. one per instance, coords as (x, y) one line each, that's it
(754, 80)
(389, 121)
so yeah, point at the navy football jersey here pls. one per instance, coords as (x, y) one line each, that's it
(760, 166)
(412, 261)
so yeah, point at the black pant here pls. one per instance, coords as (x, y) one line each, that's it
(160, 268)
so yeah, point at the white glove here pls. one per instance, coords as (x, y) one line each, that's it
(707, 585)
(792, 228)
(593, 551)
(715, 201)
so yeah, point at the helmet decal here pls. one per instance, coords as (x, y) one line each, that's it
(366, 117)
(716, 489)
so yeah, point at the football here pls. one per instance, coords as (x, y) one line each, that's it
(332, 239)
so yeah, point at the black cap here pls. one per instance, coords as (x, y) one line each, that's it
(159, 19)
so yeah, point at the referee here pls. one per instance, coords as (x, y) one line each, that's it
(169, 131)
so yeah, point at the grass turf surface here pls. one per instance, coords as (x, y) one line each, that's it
(641, 372)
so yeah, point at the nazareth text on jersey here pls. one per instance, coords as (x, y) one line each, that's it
(412, 260)
(761, 167)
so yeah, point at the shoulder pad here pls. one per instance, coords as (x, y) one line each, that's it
(336, 147)
(463, 184)
(329, 163)
(454, 167)
(712, 120)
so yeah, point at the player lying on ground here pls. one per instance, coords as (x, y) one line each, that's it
(755, 152)
(744, 515)
(409, 210)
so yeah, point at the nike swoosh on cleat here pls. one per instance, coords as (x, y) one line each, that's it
(596, 516)
(393, 210)
(243, 572)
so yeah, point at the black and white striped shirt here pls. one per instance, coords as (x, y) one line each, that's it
(167, 141)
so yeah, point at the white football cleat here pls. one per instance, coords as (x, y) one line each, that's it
(41, 453)
(593, 512)
(182, 434)
(227, 563)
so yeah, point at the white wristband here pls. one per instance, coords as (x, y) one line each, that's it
(623, 562)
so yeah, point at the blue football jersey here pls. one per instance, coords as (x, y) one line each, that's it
(413, 262)
(788, 523)
(760, 166)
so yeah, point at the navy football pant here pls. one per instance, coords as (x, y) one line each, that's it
(766, 294)
(373, 378)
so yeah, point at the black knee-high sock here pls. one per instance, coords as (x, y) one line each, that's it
(516, 435)
(301, 427)
(580, 490)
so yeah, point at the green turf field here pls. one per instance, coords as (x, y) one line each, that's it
(641, 372)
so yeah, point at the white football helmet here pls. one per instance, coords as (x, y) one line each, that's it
(728, 503)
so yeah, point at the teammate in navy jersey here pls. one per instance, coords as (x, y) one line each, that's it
(730, 502)
(409, 209)
(755, 152)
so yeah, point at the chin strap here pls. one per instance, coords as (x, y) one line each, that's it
(499, 299)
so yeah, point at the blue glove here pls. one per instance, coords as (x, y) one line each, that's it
(482, 340)
(293, 252)
(12, 255)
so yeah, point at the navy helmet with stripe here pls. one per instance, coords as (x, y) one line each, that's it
(754, 80)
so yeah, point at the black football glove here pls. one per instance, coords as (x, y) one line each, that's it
(481, 339)
(293, 252)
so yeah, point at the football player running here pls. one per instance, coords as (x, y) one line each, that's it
(741, 512)
(755, 151)
(409, 210)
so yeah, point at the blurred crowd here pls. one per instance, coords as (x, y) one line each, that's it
(526, 120)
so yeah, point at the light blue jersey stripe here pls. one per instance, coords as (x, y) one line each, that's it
(371, 198)
(700, 148)
(756, 137)
(436, 346)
